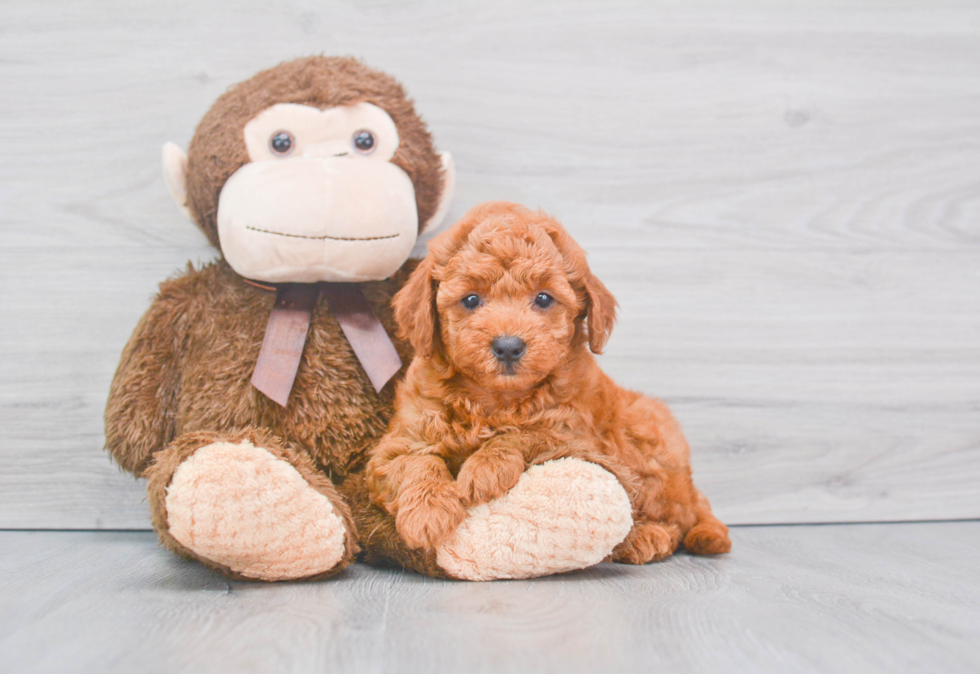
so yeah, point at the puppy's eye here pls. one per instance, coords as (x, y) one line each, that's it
(364, 141)
(544, 300)
(470, 301)
(281, 143)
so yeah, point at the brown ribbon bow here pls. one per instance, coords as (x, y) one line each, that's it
(289, 323)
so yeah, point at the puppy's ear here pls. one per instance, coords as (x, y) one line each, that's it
(600, 310)
(600, 305)
(415, 309)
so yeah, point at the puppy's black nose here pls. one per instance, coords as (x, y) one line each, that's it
(508, 349)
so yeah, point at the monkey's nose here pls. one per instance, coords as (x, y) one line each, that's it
(508, 349)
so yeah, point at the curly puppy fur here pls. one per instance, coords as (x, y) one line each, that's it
(468, 424)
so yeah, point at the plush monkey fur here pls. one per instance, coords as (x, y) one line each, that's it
(183, 379)
(183, 382)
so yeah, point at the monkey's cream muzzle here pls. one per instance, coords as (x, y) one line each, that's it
(308, 219)
(319, 199)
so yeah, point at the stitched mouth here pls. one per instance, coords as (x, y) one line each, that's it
(321, 238)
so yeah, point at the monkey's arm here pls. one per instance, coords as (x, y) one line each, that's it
(140, 412)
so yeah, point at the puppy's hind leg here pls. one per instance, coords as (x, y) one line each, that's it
(648, 542)
(708, 536)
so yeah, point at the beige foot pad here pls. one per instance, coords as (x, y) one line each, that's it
(562, 515)
(241, 507)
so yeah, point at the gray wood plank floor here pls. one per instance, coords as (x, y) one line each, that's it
(783, 196)
(840, 598)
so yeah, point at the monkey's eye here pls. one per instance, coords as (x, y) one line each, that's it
(470, 302)
(544, 300)
(281, 143)
(363, 141)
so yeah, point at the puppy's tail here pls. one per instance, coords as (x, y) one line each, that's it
(708, 536)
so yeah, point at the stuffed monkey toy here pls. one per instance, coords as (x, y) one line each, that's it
(253, 389)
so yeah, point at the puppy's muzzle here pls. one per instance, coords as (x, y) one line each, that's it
(508, 350)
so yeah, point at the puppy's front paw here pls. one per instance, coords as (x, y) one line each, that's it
(429, 515)
(487, 475)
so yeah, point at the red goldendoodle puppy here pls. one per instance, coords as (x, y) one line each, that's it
(503, 314)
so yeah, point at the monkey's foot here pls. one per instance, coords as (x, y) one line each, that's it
(248, 511)
(562, 515)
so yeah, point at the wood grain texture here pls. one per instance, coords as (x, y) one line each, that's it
(845, 598)
(786, 202)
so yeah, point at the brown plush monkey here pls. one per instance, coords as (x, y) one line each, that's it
(253, 388)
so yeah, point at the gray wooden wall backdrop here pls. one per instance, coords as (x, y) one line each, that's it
(783, 196)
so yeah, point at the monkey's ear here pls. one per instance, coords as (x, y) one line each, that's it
(415, 309)
(446, 196)
(175, 175)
